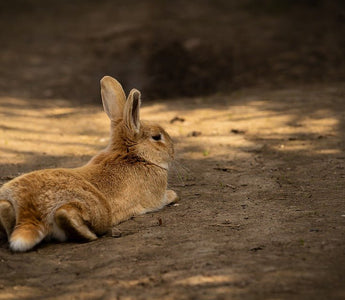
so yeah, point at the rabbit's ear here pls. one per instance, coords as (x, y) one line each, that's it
(131, 112)
(113, 97)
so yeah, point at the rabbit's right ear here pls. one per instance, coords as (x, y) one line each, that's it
(113, 97)
(131, 114)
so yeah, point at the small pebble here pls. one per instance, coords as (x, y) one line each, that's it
(115, 232)
(176, 119)
(194, 133)
(237, 131)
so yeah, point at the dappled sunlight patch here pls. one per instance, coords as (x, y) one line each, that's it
(329, 151)
(217, 145)
(228, 128)
(20, 292)
(306, 147)
(133, 282)
(315, 134)
(29, 127)
(225, 128)
(153, 109)
(204, 279)
(283, 278)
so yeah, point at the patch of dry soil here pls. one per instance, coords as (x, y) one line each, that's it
(261, 215)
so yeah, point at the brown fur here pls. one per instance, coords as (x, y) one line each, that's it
(127, 178)
(7, 218)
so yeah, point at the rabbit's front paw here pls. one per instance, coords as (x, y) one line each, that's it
(171, 197)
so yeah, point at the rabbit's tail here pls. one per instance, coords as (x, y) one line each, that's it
(26, 235)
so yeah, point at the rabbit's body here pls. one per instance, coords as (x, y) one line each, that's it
(128, 178)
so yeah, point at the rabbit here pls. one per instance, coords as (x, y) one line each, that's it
(127, 178)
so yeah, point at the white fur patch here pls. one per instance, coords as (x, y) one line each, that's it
(20, 244)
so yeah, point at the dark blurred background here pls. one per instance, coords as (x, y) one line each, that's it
(60, 49)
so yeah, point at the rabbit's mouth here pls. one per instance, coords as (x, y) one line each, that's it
(160, 164)
(164, 166)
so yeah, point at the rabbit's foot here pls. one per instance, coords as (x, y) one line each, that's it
(7, 217)
(171, 197)
(69, 218)
(26, 235)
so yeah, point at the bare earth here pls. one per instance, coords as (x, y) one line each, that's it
(261, 216)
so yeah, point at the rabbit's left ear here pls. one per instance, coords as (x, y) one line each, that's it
(131, 115)
(113, 97)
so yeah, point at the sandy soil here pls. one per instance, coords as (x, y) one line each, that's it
(261, 215)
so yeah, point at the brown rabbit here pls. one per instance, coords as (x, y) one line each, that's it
(127, 178)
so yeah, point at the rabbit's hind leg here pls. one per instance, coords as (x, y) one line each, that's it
(27, 234)
(7, 218)
(70, 218)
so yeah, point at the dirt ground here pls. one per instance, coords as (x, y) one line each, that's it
(260, 161)
(261, 214)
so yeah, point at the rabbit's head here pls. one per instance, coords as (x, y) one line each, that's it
(145, 140)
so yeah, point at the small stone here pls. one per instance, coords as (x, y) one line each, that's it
(256, 249)
(194, 133)
(115, 232)
(237, 131)
(176, 119)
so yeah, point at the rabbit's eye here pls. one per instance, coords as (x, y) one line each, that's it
(157, 137)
